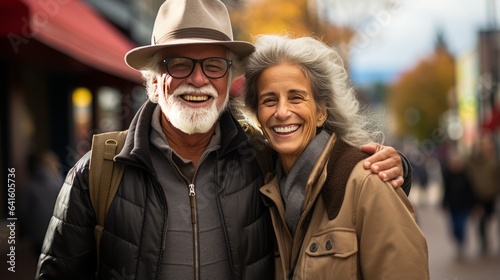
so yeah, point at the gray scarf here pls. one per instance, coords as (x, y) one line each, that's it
(293, 186)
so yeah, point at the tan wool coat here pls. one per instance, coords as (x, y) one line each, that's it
(354, 226)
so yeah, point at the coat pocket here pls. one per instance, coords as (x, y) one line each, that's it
(330, 253)
(339, 242)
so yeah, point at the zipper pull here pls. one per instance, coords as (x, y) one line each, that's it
(191, 190)
(192, 200)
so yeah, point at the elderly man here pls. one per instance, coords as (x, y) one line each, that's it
(188, 205)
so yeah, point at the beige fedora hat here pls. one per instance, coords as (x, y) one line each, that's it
(183, 22)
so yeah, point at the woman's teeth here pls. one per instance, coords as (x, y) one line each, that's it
(285, 129)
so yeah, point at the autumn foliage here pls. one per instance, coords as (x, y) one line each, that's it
(292, 17)
(420, 96)
(277, 16)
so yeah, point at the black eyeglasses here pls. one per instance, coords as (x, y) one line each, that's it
(182, 67)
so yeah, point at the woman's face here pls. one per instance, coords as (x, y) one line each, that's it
(287, 112)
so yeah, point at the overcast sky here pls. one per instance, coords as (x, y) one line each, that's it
(394, 40)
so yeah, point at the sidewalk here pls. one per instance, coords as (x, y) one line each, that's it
(442, 258)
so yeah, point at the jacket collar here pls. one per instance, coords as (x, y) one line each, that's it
(342, 160)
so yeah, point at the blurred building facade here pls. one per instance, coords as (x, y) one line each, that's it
(488, 101)
(475, 102)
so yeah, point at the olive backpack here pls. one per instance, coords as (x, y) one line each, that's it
(104, 175)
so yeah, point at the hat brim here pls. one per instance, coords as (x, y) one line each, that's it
(138, 58)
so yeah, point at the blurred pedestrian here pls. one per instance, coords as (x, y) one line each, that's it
(484, 171)
(421, 178)
(39, 195)
(420, 173)
(458, 199)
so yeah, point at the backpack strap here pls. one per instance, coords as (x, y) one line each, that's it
(104, 176)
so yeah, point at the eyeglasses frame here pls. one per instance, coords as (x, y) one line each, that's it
(165, 62)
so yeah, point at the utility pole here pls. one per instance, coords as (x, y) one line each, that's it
(491, 11)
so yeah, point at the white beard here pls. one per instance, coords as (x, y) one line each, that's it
(192, 120)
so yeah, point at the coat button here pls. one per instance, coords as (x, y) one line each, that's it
(314, 247)
(328, 245)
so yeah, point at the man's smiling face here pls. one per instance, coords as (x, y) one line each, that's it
(193, 104)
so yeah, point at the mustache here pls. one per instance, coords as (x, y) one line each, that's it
(189, 89)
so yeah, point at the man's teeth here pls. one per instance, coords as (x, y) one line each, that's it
(285, 129)
(197, 98)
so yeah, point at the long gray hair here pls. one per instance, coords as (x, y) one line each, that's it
(329, 81)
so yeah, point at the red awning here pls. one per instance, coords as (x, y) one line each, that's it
(492, 123)
(74, 28)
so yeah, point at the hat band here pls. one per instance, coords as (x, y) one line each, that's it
(190, 33)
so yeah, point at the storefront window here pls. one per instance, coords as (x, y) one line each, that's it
(109, 109)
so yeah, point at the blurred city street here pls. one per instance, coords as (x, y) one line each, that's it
(443, 262)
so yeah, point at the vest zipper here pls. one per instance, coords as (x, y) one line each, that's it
(196, 233)
(194, 223)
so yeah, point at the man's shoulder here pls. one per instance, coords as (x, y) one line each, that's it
(83, 163)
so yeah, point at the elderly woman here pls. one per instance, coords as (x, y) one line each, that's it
(332, 218)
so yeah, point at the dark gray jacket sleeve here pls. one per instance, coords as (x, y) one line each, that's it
(407, 174)
(68, 250)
